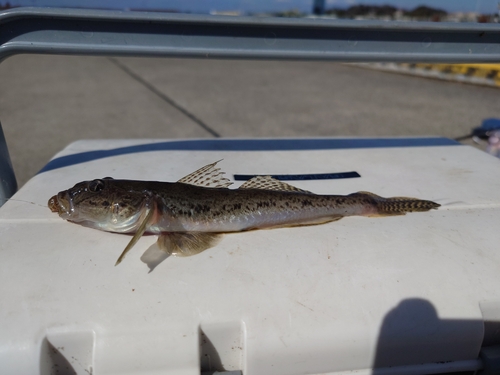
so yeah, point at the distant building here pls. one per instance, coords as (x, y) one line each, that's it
(461, 17)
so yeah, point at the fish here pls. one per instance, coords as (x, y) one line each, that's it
(190, 215)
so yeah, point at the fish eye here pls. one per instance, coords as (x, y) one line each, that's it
(96, 185)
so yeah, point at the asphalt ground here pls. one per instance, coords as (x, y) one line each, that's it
(47, 102)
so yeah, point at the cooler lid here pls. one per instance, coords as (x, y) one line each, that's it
(359, 293)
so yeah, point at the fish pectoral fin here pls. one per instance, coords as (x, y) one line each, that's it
(270, 183)
(207, 176)
(185, 244)
(137, 235)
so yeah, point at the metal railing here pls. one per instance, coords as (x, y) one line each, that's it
(115, 33)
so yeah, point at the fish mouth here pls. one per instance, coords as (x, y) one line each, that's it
(53, 204)
(61, 203)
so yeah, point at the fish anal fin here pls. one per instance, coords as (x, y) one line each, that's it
(270, 183)
(185, 244)
(207, 176)
(319, 221)
(387, 213)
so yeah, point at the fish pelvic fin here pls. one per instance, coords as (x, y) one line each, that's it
(398, 205)
(270, 183)
(185, 244)
(137, 235)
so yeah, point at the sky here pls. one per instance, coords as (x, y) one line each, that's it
(205, 6)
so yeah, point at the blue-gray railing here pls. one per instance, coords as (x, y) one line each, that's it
(115, 33)
(79, 31)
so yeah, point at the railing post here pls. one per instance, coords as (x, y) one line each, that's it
(8, 184)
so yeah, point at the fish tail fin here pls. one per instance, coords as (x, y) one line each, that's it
(398, 205)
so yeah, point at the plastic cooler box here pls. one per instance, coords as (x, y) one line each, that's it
(396, 295)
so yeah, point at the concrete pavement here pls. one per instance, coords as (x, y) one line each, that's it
(47, 102)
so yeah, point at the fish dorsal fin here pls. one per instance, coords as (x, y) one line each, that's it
(207, 176)
(269, 183)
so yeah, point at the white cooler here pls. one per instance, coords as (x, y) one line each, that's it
(413, 294)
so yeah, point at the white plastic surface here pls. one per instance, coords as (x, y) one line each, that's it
(349, 295)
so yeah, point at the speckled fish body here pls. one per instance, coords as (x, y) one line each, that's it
(196, 213)
(193, 208)
(181, 207)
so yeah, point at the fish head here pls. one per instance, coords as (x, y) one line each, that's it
(101, 204)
